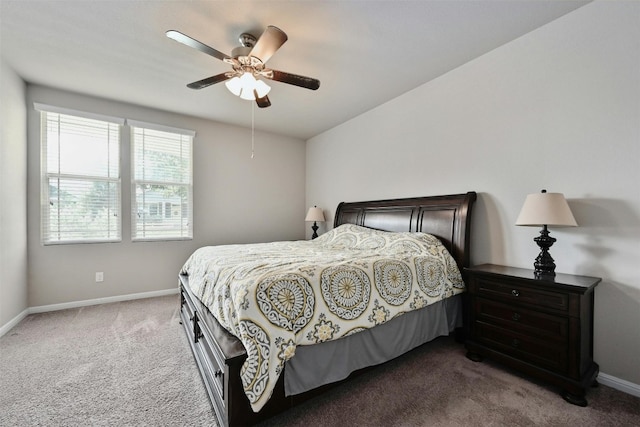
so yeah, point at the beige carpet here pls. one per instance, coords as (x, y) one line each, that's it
(129, 364)
(120, 364)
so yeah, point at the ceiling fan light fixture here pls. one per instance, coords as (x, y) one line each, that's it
(245, 85)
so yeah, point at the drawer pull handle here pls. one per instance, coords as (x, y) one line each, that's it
(515, 293)
(516, 316)
(515, 343)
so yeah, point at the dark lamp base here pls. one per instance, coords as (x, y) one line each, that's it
(544, 266)
(314, 227)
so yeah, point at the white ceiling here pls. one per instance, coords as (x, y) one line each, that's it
(363, 52)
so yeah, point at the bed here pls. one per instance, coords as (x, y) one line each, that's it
(312, 369)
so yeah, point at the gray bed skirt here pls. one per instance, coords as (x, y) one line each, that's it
(331, 361)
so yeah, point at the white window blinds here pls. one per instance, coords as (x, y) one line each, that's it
(162, 195)
(80, 177)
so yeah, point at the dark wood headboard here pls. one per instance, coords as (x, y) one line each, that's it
(446, 217)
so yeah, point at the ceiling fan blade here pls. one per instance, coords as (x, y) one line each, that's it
(262, 102)
(191, 42)
(208, 81)
(293, 79)
(270, 41)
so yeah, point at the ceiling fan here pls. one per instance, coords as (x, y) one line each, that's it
(248, 62)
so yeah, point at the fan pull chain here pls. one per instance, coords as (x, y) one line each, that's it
(252, 129)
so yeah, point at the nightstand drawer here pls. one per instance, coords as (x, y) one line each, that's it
(512, 292)
(549, 355)
(515, 317)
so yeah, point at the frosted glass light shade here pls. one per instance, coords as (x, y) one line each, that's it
(546, 209)
(244, 86)
(315, 214)
(234, 85)
(262, 88)
(248, 84)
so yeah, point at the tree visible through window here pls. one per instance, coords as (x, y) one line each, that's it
(161, 183)
(80, 178)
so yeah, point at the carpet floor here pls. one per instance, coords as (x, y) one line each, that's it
(129, 364)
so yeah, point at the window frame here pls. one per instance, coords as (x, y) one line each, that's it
(161, 208)
(47, 233)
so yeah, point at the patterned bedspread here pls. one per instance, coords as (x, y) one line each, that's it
(276, 296)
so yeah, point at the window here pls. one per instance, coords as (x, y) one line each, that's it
(161, 194)
(80, 174)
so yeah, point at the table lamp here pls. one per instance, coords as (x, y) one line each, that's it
(545, 209)
(315, 214)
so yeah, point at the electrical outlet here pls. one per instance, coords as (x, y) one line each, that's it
(100, 276)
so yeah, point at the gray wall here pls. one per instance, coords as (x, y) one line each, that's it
(236, 200)
(13, 195)
(558, 108)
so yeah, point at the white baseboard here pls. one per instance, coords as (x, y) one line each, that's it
(106, 300)
(76, 304)
(618, 384)
(13, 322)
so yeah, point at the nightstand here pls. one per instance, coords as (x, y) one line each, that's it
(541, 327)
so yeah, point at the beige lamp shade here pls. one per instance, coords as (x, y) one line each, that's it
(315, 214)
(546, 209)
